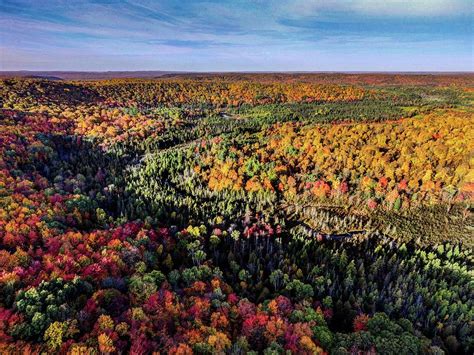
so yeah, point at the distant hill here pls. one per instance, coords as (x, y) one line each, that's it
(83, 75)
(352, 78)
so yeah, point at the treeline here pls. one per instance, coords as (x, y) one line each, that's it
(377, 79)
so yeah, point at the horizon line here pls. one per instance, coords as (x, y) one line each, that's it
(249, 71)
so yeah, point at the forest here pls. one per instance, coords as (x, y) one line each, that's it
(237, 214)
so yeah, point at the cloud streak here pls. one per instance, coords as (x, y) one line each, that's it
(390, 8)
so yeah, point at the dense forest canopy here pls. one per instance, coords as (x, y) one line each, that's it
(237, 213)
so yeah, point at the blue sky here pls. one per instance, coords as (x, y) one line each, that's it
(237, 35)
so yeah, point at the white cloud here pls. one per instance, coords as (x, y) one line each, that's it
(413, 7)
(407, 8)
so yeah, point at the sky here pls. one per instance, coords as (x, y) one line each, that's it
(237, 35)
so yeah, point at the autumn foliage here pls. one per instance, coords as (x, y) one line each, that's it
(182, 216)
